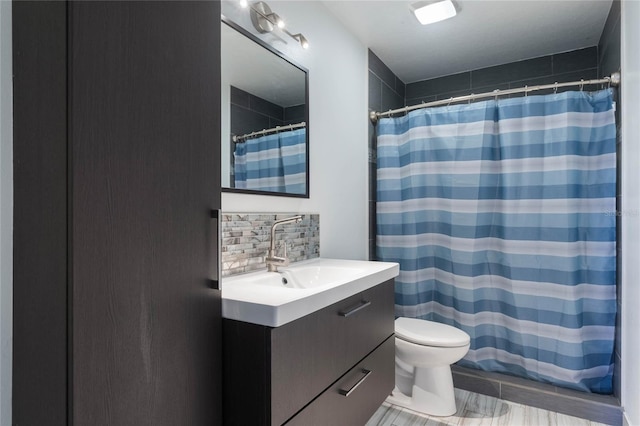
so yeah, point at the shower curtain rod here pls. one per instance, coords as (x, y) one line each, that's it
(613, 80)
(242, 138)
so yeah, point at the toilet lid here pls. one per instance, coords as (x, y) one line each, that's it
(429, 333)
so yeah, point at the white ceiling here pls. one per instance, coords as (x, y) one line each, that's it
(484, 33)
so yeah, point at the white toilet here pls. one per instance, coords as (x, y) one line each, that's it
(425, 351)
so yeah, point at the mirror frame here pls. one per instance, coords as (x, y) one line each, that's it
(281, 55)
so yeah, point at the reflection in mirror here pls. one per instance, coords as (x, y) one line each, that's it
(264, 118)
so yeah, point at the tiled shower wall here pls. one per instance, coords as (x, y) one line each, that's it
(251, 113)
(246, 238)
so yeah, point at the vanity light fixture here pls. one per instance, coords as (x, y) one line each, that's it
(301, 39)
(265, 21)
(430, 11)
(277, 19)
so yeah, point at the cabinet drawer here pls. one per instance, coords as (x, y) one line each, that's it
(355, 397)
(309, 354)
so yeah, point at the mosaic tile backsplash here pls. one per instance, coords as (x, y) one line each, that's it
(245, 240)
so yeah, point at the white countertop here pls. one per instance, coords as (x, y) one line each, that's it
(260, 298)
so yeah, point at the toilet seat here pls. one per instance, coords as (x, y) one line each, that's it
(429, 333)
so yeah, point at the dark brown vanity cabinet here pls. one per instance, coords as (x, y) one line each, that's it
(116, 173)
(332, 367)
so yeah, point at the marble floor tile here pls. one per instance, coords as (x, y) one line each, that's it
(409, 418)
(508, 414)
(477, 410)
(564, 420)
(384, 415)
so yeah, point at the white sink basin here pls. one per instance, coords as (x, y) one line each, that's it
(318, 275)
(276, 298)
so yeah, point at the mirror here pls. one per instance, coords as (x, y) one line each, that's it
(265, 139)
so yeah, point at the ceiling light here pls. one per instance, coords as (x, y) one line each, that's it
(244, 4)
(430, 11)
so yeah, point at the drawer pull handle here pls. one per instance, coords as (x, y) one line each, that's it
(347, 392)
(363, 304)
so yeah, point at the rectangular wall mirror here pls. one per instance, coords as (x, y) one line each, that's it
(265, 118)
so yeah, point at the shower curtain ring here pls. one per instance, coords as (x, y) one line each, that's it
(497, 92)
(450, 100)
(581, 84)
(555, 88)
(526, 91)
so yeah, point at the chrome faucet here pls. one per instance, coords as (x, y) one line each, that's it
(272, 260)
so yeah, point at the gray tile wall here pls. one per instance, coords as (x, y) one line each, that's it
(609, 44)
(561, 67)
(246, 238)
(386, 91)
(251, 113)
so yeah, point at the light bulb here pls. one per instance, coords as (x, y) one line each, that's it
(302, 39)
(277, 19)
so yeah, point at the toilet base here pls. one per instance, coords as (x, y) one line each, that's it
(432, 392)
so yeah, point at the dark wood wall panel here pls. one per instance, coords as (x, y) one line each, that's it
(40, 214)
(145, 132)
(116, 147)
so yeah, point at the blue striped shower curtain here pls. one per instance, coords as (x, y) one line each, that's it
(502, 217)
(275, 162)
